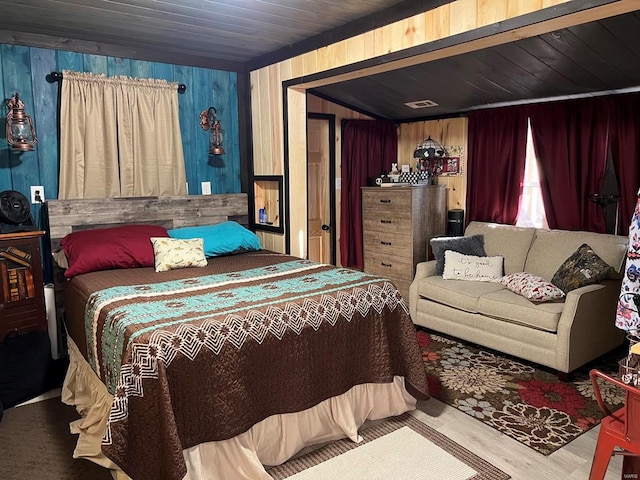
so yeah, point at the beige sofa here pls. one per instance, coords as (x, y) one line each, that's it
(562, 334)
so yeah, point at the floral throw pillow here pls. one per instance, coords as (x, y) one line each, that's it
(532, 287)
(583, 267)
(172, 253)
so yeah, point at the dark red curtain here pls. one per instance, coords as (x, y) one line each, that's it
(495, 164)
(624, 139)
(368, 149)
(570, 140)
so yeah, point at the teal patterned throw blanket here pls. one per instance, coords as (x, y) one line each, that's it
(203, 358)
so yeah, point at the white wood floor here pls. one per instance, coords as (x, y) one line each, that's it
(571, 462)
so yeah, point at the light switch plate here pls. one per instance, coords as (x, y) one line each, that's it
(40, 192)
(206, 188)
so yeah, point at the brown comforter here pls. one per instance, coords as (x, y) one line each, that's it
(199, 355)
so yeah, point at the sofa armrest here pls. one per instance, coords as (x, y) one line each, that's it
(423, 270)
(587, 328)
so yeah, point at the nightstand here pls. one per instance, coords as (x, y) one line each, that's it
(22, 306)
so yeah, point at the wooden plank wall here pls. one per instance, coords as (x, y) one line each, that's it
(266, 83)
(450, 133)
(23, 69)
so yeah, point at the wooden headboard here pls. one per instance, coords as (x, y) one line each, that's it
(67, 216)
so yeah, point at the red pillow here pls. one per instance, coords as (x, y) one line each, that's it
(128, 246)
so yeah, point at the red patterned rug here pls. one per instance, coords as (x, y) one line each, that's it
(521, 400)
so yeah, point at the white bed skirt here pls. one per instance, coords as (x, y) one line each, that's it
(272, 441)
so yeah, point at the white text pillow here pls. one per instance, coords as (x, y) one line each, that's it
(469, 267)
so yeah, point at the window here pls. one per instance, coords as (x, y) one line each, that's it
(531, 209)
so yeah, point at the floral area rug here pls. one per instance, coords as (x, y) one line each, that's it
(521, 400)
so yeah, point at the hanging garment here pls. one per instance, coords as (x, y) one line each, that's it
(627, 316)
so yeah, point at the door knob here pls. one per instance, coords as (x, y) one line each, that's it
(325, 227)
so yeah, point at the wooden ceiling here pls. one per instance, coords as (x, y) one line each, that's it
(243, 35)
(588, 59)
(221, 34)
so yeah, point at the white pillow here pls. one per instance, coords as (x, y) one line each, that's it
(469, 267)
(172, 253)
(532, 287)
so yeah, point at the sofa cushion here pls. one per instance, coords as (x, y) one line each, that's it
(471, 268)
(583, 267)
(467, 245)
(508, 241)
(531, 287)
(514, 308)
(550, 249)
(456, 293)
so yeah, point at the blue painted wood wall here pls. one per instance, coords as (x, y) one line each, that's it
(23, 70)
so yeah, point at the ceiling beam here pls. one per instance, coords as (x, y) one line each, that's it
(392, 14)
(537, 23)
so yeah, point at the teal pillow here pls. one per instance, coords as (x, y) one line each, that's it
(220, 239)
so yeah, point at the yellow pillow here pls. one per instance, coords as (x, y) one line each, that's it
(172, 253)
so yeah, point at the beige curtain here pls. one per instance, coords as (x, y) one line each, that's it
(119, 137)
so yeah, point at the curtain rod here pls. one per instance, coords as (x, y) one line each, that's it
(57, 76)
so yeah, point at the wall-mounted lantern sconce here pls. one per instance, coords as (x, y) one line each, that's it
(21, 135)
(209, 121)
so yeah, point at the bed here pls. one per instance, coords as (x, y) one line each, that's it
(217, 371)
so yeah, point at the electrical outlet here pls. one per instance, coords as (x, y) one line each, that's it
(206, 188)
(37, 191)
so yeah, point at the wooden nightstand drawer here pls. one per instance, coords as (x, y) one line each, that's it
(394, 266)
(20, 319)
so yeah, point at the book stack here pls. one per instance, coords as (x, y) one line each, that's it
(16, 255)
(15, 275)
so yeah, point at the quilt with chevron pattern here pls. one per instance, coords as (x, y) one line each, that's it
(203, 355)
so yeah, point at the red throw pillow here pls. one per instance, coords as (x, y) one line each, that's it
(128, 246)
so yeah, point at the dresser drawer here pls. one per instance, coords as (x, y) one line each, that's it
(386, 199)
(388, 243)
(388, 266)
(387, 222)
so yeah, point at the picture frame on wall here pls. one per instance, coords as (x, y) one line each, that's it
(447, 166)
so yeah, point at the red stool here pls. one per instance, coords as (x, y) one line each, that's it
(618, 429)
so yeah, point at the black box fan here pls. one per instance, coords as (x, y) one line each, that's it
(15, 213)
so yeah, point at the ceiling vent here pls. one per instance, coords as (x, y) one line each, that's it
(421, 104)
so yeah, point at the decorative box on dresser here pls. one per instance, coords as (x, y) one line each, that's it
(22, 307)
(398, 222)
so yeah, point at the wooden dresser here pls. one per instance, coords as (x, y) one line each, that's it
(398, 223)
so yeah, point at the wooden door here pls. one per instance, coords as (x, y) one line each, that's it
(320, 193)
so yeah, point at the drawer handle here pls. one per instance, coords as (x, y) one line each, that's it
(385, 243)
(385, 200)
(386, 221)
(385, 264)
